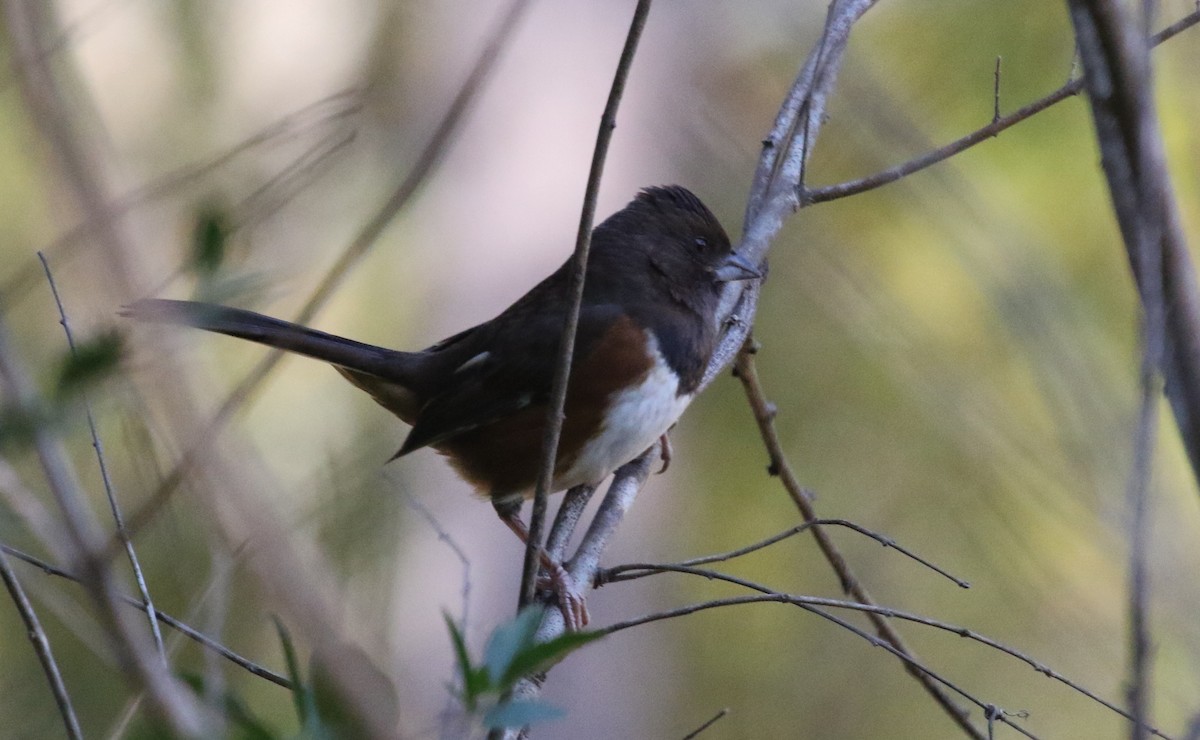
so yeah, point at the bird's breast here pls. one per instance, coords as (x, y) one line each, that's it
(633, 417)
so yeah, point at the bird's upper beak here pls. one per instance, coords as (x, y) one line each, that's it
(736, 267)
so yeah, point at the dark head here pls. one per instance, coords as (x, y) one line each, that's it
(686, 252)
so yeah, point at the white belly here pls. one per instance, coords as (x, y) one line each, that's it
(636, 417)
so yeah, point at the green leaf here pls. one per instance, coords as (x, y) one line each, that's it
(17, 425)
(516, 714)
(508, 641)
(210, 238)
(475, 680)
(541, 656)
(302, 693)
(90, 361)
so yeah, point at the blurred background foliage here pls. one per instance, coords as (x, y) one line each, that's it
(954, 356)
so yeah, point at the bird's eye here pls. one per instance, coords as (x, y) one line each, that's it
(701, 243)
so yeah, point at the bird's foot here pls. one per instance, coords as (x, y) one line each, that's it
(571, 602)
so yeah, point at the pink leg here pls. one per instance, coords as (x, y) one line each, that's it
(570, 601)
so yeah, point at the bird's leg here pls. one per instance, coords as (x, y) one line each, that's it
(570, 601)
(666, 452)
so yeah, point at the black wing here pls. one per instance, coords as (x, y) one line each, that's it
(513, 369)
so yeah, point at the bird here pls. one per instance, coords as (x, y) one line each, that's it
(648, 327)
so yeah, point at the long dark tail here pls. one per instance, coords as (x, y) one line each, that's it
(380, 362)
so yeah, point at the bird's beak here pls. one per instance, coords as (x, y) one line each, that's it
(736, 267)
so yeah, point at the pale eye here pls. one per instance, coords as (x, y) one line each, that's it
(702, 243)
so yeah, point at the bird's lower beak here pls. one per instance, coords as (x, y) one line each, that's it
(736, 267)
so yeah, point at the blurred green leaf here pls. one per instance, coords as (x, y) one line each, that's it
(339, 717)
(541, 656)
(508, 641)
(90, 361)
(475, 680)
(520, 714)
(210, 238)
(302, 695)
(17, 425)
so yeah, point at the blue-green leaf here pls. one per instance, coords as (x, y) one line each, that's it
(519, 714)
(508, 641)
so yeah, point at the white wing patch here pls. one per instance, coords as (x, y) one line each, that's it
(478, 359)
(635, 418)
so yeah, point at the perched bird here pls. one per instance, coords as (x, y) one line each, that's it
(647, 330)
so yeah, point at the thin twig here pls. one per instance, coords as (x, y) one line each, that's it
(85, 546)
(892, 174)
(887, 612)
(119, 520)
(622, 572)
(329, 109)
(447, 539)
(996, 91)
(712, 721)
(426, 164)
(41, 646)
(175, 624)
(812, 604)
(764, 414)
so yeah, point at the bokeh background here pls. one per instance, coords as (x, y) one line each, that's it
(954, 356)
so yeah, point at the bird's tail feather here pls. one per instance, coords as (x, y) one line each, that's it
(380, 362)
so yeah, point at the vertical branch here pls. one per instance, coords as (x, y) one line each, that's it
(41, 645)
(1116, 62)
(775, 191)
(583, 241)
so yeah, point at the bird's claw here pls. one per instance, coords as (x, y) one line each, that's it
(571, 602)
(665, 452)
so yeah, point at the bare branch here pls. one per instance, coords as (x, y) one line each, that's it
(175, 624)
(892, 174)
(85, 546)
(712, 721)
(630, 571)
(813, 604)
(138, 576)
(996, 92)
(41, 646)
(1117, 74)
(459, 553)
(771, 595)
(572, 506)
(764, 414)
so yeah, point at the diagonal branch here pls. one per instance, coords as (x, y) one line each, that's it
(764, 414)
(41, 645)
(182, 627)
(812, 196)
